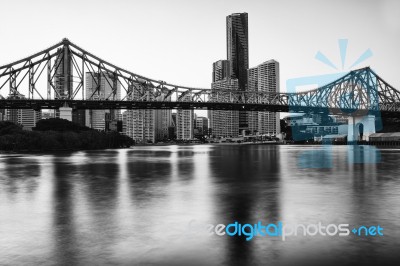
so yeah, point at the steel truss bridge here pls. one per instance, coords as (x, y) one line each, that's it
(55, 77)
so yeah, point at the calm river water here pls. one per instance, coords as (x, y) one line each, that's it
(134, 206)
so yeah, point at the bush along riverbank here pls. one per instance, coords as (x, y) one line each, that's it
(58, 134)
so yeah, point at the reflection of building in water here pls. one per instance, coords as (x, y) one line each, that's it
(363, 154)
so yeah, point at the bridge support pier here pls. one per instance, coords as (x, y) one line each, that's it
(66, 113)
(360, 128)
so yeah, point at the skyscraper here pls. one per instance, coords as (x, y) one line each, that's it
(79, 117)
(3, 114)
(140, 125)
(64, 74)
(28, 118)
(147, 125)
(201, 126)
(174, 125)
(184, 122)
(25, 117)
(163, 119)
(264, 78)
(101, 86)
(268, 81)
(63, 79)
(253, 86)
(124, 122)
(221, 70)
(238, 54)
(223, 123)
(238, 46)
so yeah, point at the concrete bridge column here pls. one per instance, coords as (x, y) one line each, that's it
(66, 113)
(360, 127)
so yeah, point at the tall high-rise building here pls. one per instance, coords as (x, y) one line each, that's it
(48, 114)
(174, 124)
(141, 123)
(79, 117)
(63, 83)
(221, 70)
(268, 81)
(147, 125)
(3, 114)
(184, 122)
(237, 37)
(12, 115)
(101, 86)
(163, 120)
(64, 74)
(63, 78)
(252, 116)
(201, 126)
(224, 123)
(264, 78)
(124, 122)
(27, 118)
(238, 46)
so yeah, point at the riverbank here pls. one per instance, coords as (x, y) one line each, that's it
(210, 143)
(378, 144)
(58, 135)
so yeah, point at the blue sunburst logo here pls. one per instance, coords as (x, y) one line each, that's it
(343, 52)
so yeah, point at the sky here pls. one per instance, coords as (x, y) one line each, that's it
(178, 40)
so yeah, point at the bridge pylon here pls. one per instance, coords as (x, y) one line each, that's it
(360, 128)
